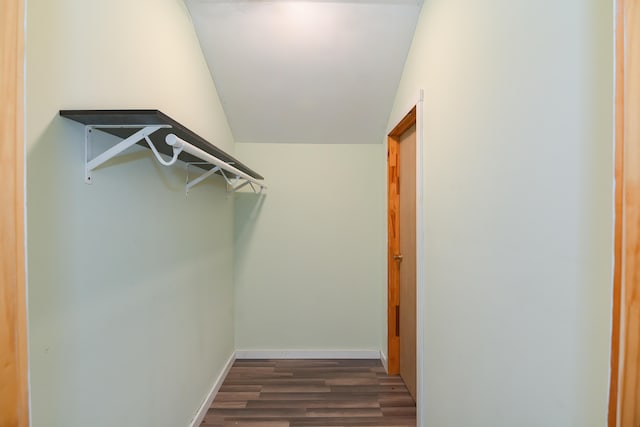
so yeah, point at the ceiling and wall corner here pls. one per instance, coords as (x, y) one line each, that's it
(306, 71)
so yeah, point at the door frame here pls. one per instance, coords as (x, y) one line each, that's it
(410, 116)
(14, 383)
(624, 392)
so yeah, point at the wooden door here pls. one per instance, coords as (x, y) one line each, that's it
(407, 259)
(402, 308)
(14, 400)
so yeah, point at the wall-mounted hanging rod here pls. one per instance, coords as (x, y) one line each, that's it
(241, 178)
(152, 129)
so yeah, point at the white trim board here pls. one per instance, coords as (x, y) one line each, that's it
(420, 257)
(384, 361)
(307, 354)
(202, 411)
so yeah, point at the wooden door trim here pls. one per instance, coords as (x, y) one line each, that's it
(14, 404)
(393, 279)
(407, 121)
(404, 122)
(393, 233)
(414, 112)
(624, 395)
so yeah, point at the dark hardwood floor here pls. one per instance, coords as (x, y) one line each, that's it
(291, 393)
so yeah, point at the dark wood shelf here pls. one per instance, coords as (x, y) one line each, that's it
(154, 117)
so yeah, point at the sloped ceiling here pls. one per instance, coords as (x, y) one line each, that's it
(306, 71)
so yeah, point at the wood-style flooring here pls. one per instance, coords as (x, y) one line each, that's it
(292, 393)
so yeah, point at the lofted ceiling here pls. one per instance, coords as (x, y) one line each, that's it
(306, 71)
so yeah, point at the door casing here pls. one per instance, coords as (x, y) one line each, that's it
(624, 393)
(411, 115)
(393, 242)
(14, 388)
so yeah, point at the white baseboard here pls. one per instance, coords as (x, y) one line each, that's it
(197, 420)
(385, 361)
(308, 354)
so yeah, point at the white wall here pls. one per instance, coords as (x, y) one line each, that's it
(518, 209)
(130, 282)
(310, 255)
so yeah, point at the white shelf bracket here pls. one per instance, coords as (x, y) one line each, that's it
(233, 184)
(239, 186)
(92, 163)
(238, 182)
(226, 178)
(199, 179)
(224, 168)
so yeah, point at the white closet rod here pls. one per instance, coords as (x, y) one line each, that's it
(181, 144)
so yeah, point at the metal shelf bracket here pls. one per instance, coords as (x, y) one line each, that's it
(238, 178)
(151, 129)
(145, 130)
(233, 184)
(235, 178)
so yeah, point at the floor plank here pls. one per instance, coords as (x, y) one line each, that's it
(311, 393)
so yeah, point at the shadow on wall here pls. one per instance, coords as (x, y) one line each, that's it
(596, 222)
(247, 210)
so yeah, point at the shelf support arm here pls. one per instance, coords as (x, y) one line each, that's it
(176, 152)
(198, 180)
(92, 164)
(239, 186)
